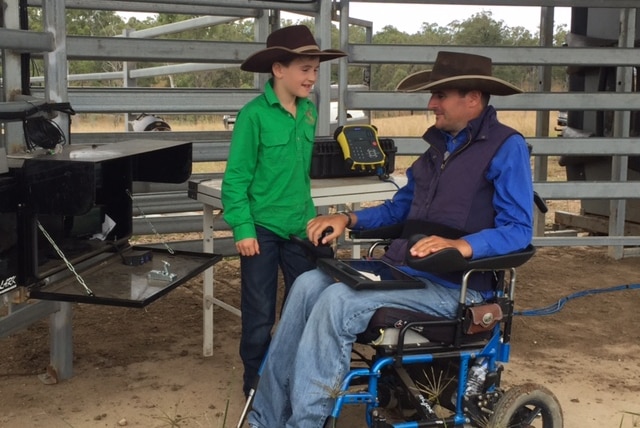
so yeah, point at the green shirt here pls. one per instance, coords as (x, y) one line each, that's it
(266, 181)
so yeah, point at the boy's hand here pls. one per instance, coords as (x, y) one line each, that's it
(248, 247)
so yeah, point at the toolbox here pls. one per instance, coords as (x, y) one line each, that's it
(66, 222)
(328, 160)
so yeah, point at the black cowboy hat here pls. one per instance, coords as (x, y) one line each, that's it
(454, 70)
(285, 43)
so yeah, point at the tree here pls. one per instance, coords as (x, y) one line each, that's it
(479, 30)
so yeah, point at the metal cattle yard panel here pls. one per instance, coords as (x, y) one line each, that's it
(621, 143)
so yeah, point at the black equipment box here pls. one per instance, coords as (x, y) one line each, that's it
(328, 160)
(66, 220)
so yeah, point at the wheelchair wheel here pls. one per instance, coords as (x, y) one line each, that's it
(527, 406)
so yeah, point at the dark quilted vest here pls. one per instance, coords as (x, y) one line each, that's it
(452, 197)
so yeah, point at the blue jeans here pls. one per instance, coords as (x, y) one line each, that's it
(311, 350)
(259, 288)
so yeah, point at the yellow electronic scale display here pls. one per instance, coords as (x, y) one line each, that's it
(360, 147)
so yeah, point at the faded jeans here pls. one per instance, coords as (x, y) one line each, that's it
(311, 350)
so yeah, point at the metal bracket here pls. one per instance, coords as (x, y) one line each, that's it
(162, 275)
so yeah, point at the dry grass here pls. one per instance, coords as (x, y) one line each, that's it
(416, 124)
(404, 125)
(116, 123)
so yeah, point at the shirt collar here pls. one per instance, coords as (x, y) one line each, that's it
(272, 98)
(472, 131)
(270, 94)
(453, 143)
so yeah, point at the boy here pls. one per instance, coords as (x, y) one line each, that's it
(266, 190)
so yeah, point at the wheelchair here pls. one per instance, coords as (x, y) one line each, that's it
(426, 371)
(431, 372)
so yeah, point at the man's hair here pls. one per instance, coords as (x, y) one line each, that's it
(485, 96)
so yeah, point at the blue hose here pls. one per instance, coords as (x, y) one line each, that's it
(552, 309)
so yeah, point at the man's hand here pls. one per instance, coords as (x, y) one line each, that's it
(248, 247)
(431, 244)
(319, 224)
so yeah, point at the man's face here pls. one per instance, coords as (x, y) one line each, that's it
(453, 109)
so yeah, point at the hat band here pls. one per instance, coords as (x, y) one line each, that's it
(306, 48)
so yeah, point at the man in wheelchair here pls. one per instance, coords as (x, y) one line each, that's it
(471, 191)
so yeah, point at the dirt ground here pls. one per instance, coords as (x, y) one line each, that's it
(144, 367)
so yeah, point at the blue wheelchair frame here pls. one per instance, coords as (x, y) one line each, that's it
(493, 350)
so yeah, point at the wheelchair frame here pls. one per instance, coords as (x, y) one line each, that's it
(491, 406)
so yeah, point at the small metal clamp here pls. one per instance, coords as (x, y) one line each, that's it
(162, 275)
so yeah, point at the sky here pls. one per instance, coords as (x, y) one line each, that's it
(409, 17)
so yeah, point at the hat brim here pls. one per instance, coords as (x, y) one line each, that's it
(261, 61)
(421, 81)
(414, 82)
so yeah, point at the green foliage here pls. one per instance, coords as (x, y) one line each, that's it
(481, 29)
(93, 23)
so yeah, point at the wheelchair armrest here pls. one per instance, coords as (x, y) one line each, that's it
(384, 232)
(450, 260)
(505, 261)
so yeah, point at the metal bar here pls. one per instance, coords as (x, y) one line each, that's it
(500, 55)
(587, 190)
(382, 100)
(567, 241)
(585, 146)
(172, 100)
(203, 7)
(550, 3)
(25, 41)
(173, 224)
(177, 27)
(160, 50)
(621, 129)
(61, 342)
(22, 316)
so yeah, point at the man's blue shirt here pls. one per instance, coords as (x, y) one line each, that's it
(510, 172)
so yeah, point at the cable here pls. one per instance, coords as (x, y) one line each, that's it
(381, 172)
(43, 133)
(552, 309)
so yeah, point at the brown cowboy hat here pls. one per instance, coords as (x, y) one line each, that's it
(285, 43)
(454, 70)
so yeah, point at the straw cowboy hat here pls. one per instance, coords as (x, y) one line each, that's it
(285, 43)
(453, 70)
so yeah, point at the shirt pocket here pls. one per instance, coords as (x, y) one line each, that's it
(309, 135)
(273, 145)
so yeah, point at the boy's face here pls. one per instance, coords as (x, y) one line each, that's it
(299, 76)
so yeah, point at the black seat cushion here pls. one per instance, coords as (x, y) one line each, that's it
(397, 318)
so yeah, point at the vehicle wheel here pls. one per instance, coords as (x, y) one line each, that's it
(527, 406)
